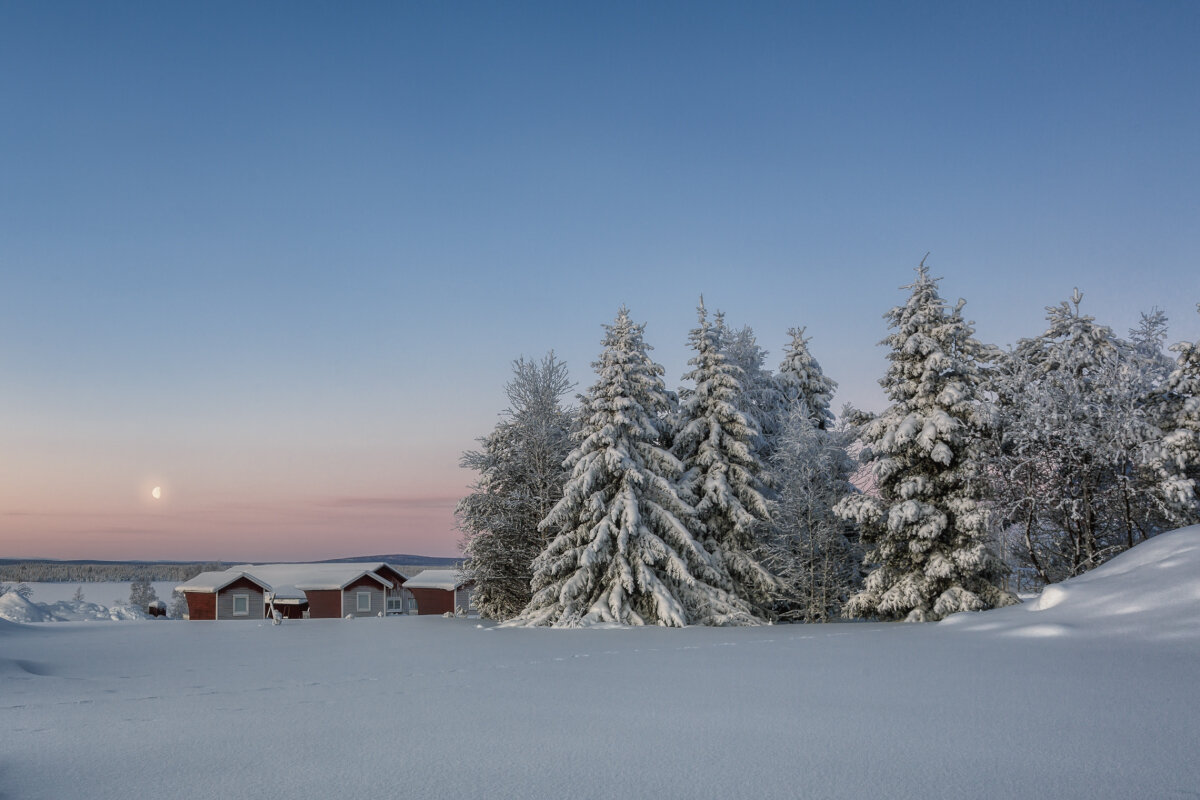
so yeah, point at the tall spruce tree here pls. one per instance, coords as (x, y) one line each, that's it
(927, 530)
(521, 475)
(622, 548)
(723, 474)
(801, 381)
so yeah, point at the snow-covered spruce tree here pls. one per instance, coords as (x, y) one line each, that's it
(927, 531)
(812, 550)
(723, 475)
(801, 381)
(760, 398)
(521, 475)
(1177, 458)
(622, 548)
(1071, 472)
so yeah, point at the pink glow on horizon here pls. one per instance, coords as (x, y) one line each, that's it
(305, 529)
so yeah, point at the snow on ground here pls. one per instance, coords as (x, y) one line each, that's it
(426, 706)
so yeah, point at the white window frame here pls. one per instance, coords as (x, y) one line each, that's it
(359, 602)
(246, 599)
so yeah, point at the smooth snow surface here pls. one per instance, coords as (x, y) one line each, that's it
(1090, 707)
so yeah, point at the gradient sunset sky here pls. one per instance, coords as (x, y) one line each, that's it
(276, 258)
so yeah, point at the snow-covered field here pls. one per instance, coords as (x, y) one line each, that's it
(1091, 692)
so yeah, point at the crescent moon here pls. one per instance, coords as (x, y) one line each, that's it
(156, 492)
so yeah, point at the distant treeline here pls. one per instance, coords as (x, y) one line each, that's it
(52, 572)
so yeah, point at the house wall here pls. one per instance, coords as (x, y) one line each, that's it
(324, 603)
(241, 586)
(408, 602)
(350, 597)
(433, 601)
(201, 605)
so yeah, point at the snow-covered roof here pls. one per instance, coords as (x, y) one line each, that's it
(302, 577)
(216, 581)
(286, 593)
(314, 576)
(448, 579)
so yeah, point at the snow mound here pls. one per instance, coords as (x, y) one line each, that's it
(83, 611)
(15, 608)
(1151, 590)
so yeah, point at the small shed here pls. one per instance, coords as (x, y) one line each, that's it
(157, 608)
(440, 591)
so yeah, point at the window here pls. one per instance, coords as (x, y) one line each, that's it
(241, 605)
(364, 601)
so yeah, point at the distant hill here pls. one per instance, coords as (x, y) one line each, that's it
(397, 558)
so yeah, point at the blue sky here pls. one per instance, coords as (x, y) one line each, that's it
(277, 257)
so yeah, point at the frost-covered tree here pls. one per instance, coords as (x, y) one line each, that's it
(1071, 472)
(723, 474)
(1148, 338)
(760, 398)
(622, 549)
(801, 381)
(521, 475)
(179, 606)
(142, 594)
(812, 550)
(927, 530)
(1176, 460)
(21, 589)
(78, 596)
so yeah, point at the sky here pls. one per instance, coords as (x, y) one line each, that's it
(277, 258)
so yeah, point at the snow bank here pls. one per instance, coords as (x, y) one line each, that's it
(71, 611)
(1149, 591)
(15, 608)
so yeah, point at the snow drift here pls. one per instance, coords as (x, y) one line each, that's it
(15, 608)
(1151, 590)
